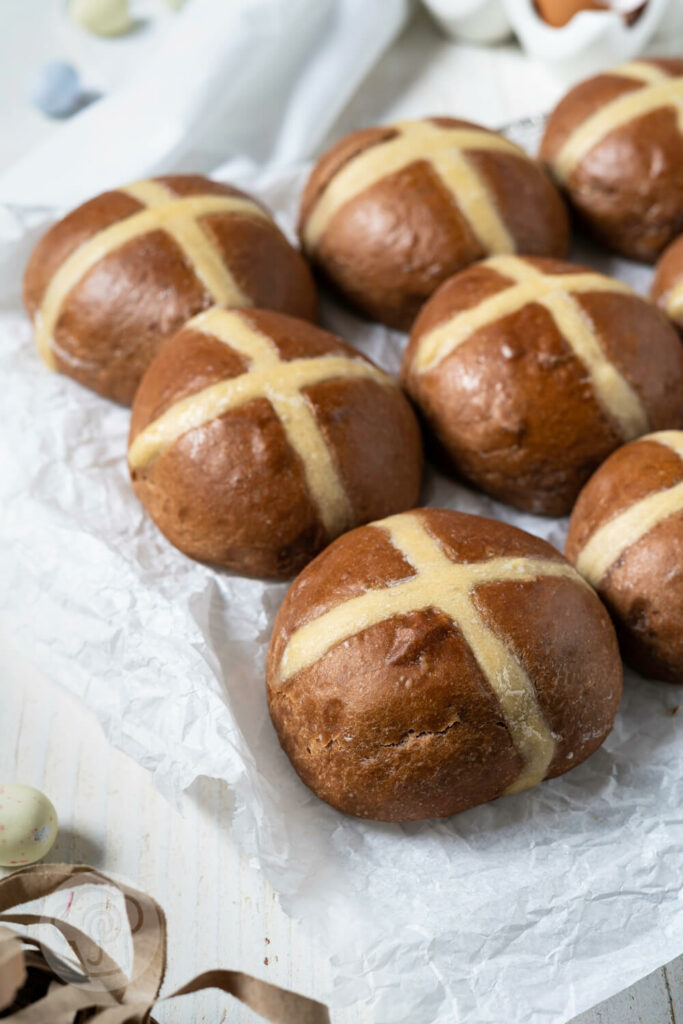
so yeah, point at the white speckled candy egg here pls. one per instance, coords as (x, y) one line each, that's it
(28, 825)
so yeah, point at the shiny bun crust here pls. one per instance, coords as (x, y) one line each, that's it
(667, 286)
(120, 274)
(615, 146)
(389, 213)
(257, 438)
(434, 661)
(626, 538)
(529, 372)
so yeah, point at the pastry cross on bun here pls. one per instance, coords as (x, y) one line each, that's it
(531, 371)
(390, 212)
(555, 292)
(626, 538)
(615, 144)
(108, 283)
(257, 438)
(444, 148)
(435, 660)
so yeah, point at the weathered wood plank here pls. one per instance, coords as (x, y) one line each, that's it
(646, 1002)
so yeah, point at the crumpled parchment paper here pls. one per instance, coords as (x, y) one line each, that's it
(530, 909)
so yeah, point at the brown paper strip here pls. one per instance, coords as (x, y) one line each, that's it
(12, 969)
(146, 920)
(109, 995)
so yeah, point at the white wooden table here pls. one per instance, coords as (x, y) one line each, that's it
(113, 818)
(111, 815)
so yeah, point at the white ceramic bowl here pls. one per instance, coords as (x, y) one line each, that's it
(474, 21)
(591, 41)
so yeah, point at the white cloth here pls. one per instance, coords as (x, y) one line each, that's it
(251, 80)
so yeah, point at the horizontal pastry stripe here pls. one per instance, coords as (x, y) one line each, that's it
(674, 302)
(672, 439)
(667, 92)
(284, 380)
(554, 291)
(294, 412)
(612, 540)
(166, 216)
(445, 585)
(640, 71)
(281, 383)
(417, 141)
(444, 339)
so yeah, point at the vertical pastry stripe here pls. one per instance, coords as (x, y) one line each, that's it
(554, 292)
(667, 92)
(201, 253)
(305, 437)
(612, 391)
(444, 149)
(282, 383)
(173, 215)
(474, 200)
(613, 539)
(529, 731)
(234, 331)
(440, 583)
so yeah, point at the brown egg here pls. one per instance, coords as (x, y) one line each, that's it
(558, 12)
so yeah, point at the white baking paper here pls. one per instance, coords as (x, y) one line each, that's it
(530, 909)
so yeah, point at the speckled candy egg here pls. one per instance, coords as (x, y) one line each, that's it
(28, 825)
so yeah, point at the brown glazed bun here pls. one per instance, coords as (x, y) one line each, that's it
(436, 660)
(529, 372)
(626, 538)
(667, 287)
(614, 143)
(389, 213)
(257, 438)
(113, 279)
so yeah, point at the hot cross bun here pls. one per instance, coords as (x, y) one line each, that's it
(389, 213)
(257, 438)
(117, 276)
(435, 660)
(529, 372)
(626, 538)
(615, 145)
